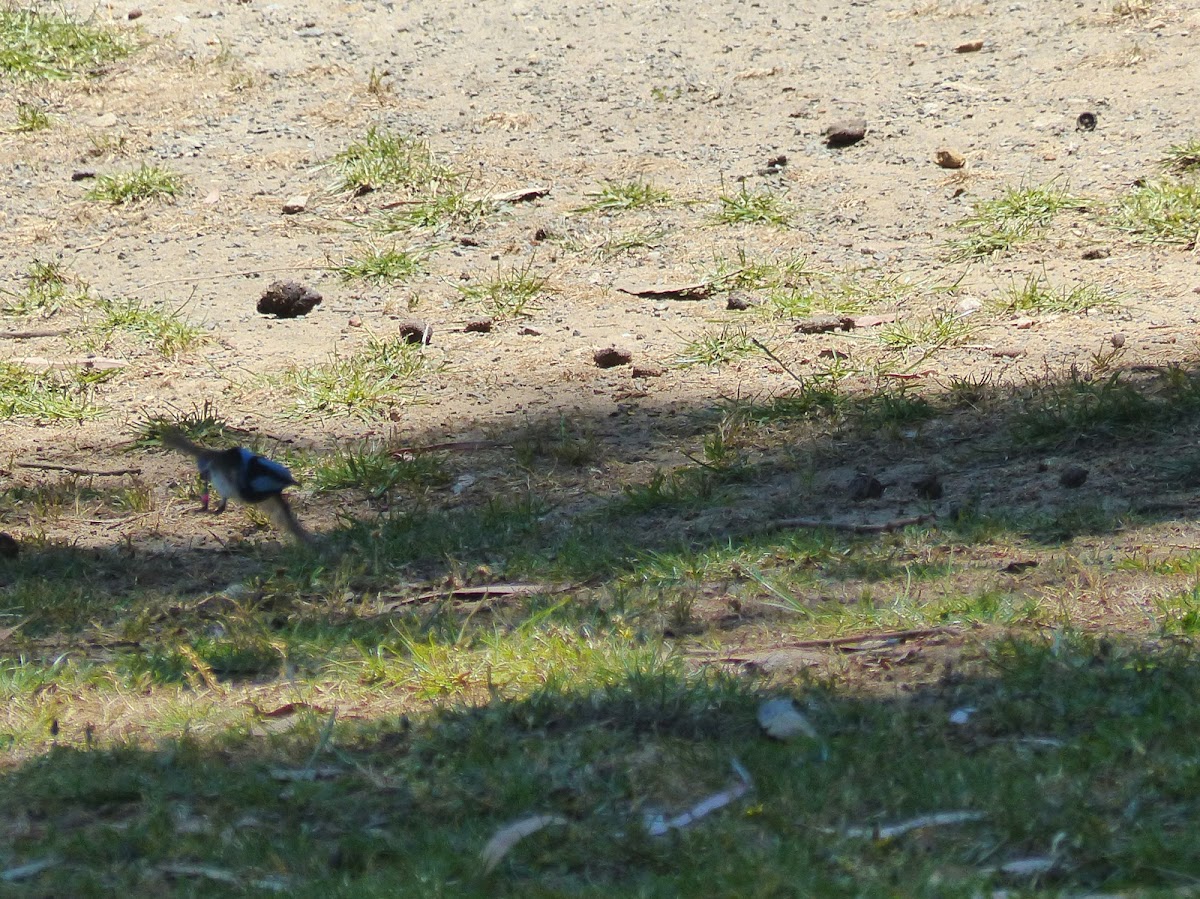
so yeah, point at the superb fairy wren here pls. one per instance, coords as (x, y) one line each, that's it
(238, 472)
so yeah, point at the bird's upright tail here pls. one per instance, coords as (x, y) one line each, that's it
(173, 438)
(281, 513)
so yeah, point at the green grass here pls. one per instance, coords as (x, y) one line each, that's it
(445, 206)
(367, 384)
(941, 329)
(1019, 215)
(506, 294)
(378, 265)
(752, 208)
(714, 350)
(49, 395)
(744, 272)
(164, 329)
(1083, 410)
(1166, 211)
(384, 159)
(148, 182)
(618, 196)
(375, 471)
(30, 118)
(1184, 157)
(49, 288)
(1036, 294)
(45, 45)
(800, 293)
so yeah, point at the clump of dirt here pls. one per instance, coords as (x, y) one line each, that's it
(288, 299)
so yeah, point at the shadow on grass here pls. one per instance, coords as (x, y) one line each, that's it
(1076, 752)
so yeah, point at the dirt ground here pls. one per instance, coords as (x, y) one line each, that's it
(248, 100)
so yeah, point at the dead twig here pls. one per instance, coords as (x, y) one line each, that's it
(29, 335)
(71, 469)
(894, 525)
(886, 636)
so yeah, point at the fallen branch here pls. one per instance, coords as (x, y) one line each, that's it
(482, 591)
(887, 636)
(893, 525)
(29, 335)
(71, 469)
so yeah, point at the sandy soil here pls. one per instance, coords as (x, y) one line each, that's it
(247, 100)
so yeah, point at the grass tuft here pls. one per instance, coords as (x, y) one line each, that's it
(367, 384)
(507, 294)
(757, 208)
(166, 330)
(148, 182)
(49, 396)
(374, 264)
(714, 350)
(1036, 294)
(1016, 216)
(623, 196)
(35, 44)
(384, 159)
(31, 117)
(1166, 211)
(1183, 157)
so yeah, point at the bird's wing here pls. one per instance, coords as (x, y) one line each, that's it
(265, 476)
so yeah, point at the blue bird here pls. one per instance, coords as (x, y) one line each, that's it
(238, 472)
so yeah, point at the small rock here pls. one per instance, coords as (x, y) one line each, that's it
(949, 159)
(1073, 476)
(540, 234)
(610, 357)
(479, 326)
(9, 547)
(830, 353)
(845, 134)
(1096, 253)
(1086, 122)
(969, 47)
(288, 299)
(82, 175)
(1117, 340)
(738, 300)
(529, 332)
(354, 322)
(646, 371)
(821, 324)
(416, 331)
(928, 487)
(296, 204)
(864, 486)
(133, 14)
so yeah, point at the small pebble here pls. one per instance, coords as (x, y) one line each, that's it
(479, 326)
